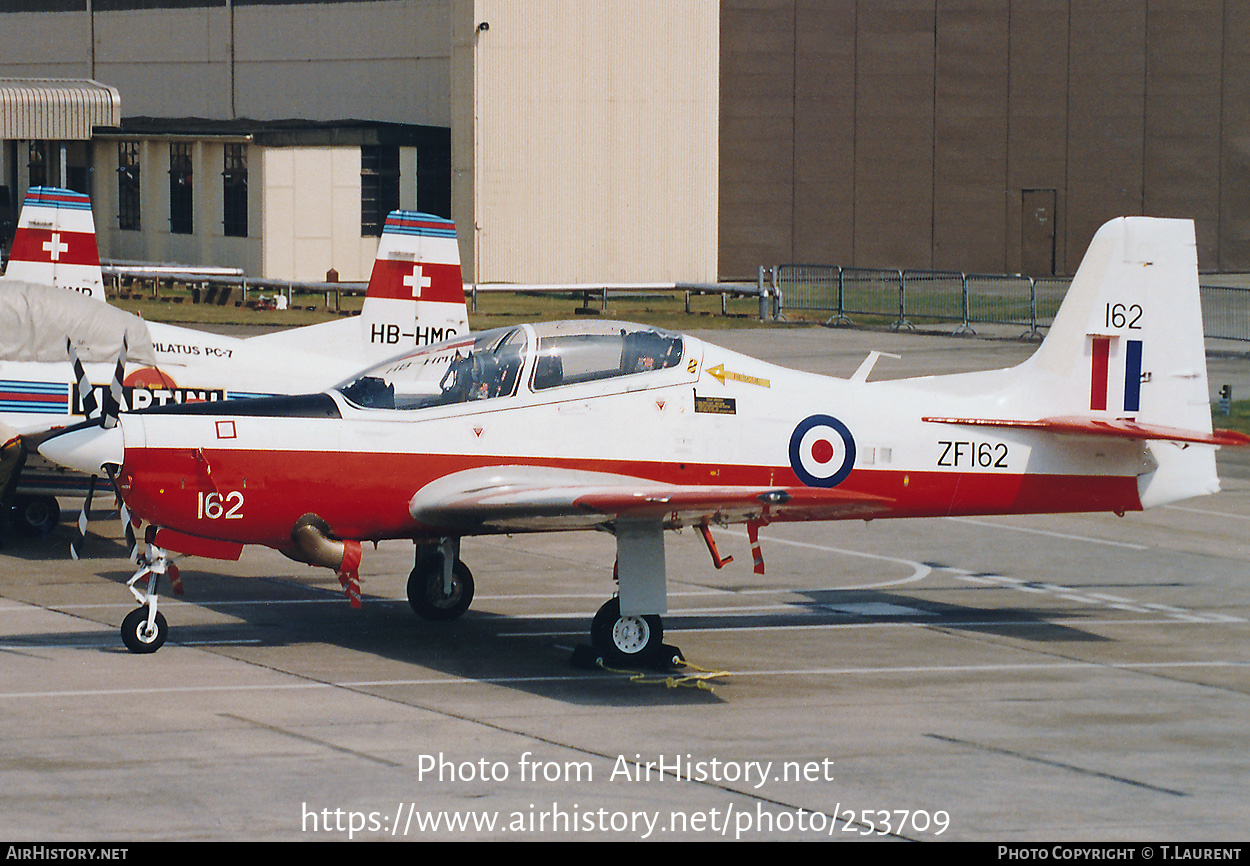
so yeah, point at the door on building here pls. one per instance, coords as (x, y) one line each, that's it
(1037, 232)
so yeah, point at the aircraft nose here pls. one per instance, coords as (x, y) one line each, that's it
(85, 448)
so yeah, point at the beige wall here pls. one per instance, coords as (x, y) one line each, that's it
(592, 125)
(312, 214)
(311, 220)
(303, 210)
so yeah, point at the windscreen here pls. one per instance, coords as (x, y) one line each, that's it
(457, 371)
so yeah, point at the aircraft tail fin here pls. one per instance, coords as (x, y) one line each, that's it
(415, 297)
(416, 290)
(1126, 351)
(55, 242)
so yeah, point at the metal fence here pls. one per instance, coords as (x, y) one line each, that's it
(848, 295)
(1226, 312)
(904, 298)
(218, 286)
(911, 296)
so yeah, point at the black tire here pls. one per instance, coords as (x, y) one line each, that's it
(134, 628)
(34, 516)
(425, 592)
(626, 640)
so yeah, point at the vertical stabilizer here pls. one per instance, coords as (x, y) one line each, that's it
(55, 242)
(1127, 344)
(416, 291)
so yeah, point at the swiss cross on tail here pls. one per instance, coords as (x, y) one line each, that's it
(416, 292)
(54, 247)
(418, 281)
(55, 242)
(415, 297)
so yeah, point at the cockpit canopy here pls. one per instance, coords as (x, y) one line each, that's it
(491, 364)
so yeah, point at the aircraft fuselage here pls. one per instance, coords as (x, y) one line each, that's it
(716, 418)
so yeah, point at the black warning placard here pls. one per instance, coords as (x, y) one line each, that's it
(716, 405)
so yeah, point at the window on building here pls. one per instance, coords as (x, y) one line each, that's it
(128, 185)
(379, 187)
(234, 191)
(37, 163)
(180, 189)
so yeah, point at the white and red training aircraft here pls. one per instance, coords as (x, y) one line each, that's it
(415, 297)
(634, 430)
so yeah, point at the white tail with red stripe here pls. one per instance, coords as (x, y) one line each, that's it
(416, 291)
(55, 242)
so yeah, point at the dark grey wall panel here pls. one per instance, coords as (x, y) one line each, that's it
(970, 140)
(916, 133)
(894, 133)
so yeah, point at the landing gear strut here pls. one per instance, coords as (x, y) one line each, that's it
(435, 591)
(635, 639)
(144, 629)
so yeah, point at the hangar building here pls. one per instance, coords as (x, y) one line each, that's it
(599, 140)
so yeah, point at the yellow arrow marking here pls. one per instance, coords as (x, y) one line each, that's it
(720, 374)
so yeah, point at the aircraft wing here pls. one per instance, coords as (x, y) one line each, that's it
(1120, 428)
(529, 498)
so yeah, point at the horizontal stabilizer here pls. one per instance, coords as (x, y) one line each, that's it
(1124, 428)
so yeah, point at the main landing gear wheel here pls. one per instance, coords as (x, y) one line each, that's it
(626, 640)
(430, 599)
(34, 516)
(138, 637)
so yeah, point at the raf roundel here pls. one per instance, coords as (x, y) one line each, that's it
(822, 451)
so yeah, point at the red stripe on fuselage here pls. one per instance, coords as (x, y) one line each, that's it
(365, 495)
(28, 397)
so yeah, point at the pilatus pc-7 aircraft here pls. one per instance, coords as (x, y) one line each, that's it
(633, 430)
(53, 290)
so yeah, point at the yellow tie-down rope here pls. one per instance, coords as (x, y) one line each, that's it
(701, 680)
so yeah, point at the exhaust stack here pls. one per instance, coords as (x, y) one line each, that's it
(316, 545)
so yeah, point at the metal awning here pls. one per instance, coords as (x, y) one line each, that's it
(56, 109)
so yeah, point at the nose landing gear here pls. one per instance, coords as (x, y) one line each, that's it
(144, 629)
